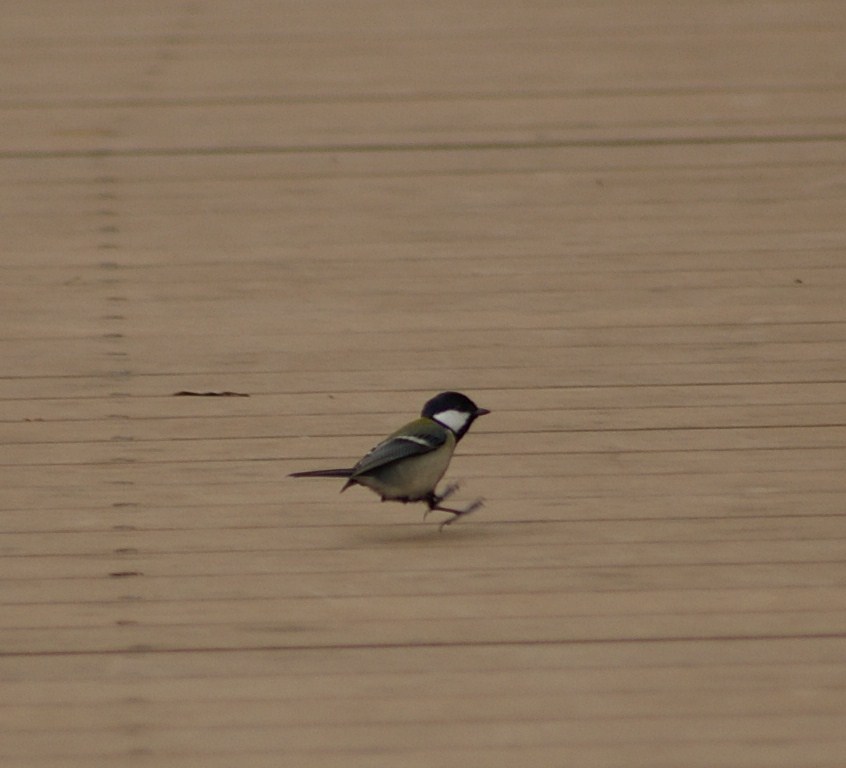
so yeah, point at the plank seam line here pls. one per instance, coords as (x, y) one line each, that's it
(143, 649)
(483, 146)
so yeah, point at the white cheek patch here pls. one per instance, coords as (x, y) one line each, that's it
(454, 420)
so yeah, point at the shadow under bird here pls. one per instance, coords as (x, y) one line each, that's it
(408, 464)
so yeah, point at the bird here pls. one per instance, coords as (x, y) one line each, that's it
(408, 464)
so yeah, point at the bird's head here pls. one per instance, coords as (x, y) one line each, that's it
(454, 411)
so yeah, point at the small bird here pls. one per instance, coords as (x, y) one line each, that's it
(408, 464)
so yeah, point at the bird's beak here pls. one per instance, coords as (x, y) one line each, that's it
(481, 412)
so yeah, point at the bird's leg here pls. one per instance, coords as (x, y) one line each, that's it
(434, 501)
(456, 513)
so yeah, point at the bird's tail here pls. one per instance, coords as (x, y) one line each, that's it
(323, 473)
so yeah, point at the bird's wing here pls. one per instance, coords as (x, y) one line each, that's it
(417, 437)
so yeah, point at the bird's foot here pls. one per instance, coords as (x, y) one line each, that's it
(456, 513)
(434, 505)
(433, 500)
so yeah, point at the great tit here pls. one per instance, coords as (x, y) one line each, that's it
(407, 465)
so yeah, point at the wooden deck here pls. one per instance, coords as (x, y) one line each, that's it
(620, 226)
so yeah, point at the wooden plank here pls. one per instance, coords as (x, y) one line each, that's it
(618, 226)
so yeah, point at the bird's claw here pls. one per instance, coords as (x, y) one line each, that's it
(434, 504)
(461, 513)
(435, 500)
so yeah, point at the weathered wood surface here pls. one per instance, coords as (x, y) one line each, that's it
(619, 226)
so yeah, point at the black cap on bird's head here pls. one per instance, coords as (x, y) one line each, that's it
(454, 411)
